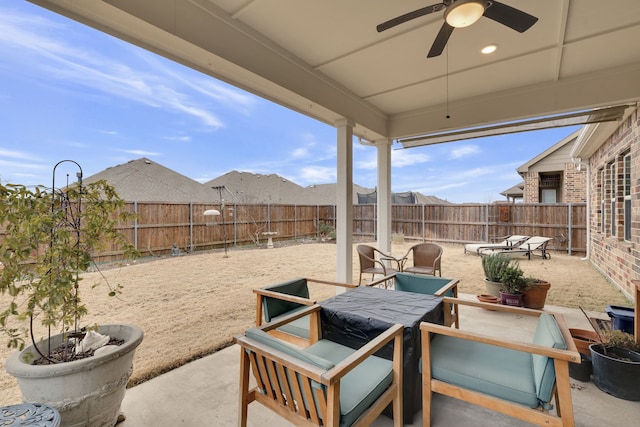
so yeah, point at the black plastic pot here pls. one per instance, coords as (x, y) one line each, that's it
(581, 371)
(619, 378)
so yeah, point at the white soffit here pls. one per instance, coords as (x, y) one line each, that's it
(598, 115)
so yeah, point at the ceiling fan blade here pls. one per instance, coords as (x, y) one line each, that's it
(409, 16)
(441, 40)
(509, 16)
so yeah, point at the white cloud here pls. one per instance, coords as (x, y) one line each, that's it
(317, 175)
(142, 153)
(402, 158)
(464, 151)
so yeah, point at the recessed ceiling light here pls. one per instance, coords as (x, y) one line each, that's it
(489, 49)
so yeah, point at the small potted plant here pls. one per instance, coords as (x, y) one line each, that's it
(49, 238)
(513, 281)
(535, 293)
(493, 266)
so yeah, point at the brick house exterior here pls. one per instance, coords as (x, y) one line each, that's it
(553, 177)
(613, 153)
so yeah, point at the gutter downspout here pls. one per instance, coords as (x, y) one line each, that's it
(580, 164)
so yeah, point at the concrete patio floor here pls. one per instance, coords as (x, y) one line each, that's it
(204, 392)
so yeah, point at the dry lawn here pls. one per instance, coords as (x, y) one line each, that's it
(192, 305)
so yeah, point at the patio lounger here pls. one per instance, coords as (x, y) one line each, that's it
(508, 241)
(527, 248)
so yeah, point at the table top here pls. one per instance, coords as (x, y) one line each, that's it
(29, 414)
(386, 306)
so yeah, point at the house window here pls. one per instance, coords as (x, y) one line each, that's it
(549, 185)
(603, 193)
(612, 195)
(627, 197)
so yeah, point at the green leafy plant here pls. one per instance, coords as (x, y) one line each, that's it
(494, 266)
(48, 241)
(512, 278)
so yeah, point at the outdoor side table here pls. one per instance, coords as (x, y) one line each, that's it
(355, 317)
(29, 414)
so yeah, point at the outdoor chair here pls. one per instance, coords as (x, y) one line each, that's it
(427, 285)
(506, 242)
(526, 248)
(370, 264)
(426, 259)
(514, 378)
(279, 300)
(326, 384)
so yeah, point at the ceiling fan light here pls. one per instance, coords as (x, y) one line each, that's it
(489, 49)
(464, 13)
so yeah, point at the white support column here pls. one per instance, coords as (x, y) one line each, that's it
(384, 194)
(344, 202)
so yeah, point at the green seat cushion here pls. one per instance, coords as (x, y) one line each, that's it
(298, 327)
(360, 388)
(547, 334)
(420, 284)
(497, 371)
(264, 338)
(274, 307)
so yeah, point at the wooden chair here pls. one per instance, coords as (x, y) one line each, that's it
(369, 264)
(325, 384)
(276, 301)
(426, 259)
(513, 378)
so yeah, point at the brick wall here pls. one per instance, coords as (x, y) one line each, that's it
(617, 258)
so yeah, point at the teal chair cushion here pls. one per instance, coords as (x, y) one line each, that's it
(360, 388)
(264, 338)
(274, 307)
(421, 284)
(547, 334)
(497, 371)
(298, 327)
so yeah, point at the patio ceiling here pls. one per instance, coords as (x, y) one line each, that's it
(326, 59)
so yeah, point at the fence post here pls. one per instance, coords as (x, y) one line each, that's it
(569, 228)
(424, 227)
(191, 227)
(135, 225)
(235, 224)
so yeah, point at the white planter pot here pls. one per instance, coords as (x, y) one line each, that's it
(493, 288)
(86, 392)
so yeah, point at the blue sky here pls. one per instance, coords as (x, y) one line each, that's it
(72, 92)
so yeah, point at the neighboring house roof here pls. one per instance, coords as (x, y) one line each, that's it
(515, 192)
(560, 150)
(143, 180)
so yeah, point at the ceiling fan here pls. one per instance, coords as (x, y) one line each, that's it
(462, 13)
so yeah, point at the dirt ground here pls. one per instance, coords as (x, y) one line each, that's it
(192, 305)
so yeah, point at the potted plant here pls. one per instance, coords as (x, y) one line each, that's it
(49, 238)
(513, 281)
(616, 364)
(493, 266)
(534, 293)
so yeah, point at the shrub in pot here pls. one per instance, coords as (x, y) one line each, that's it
(50, 236)
(513, 281)
(493, 266)
(616, 365)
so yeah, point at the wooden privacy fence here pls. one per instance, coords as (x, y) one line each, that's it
(160, 226)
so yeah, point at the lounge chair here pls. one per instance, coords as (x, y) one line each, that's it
(508, 241)
(279, 300)
(527, 248)
(514, 378)
(326, 384)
